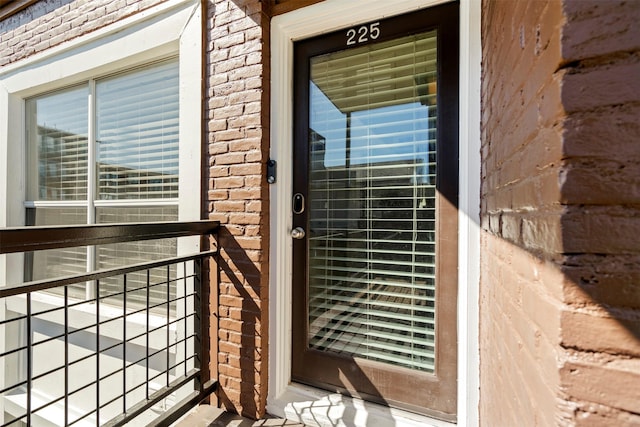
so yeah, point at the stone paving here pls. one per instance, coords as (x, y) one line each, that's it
(209, 416)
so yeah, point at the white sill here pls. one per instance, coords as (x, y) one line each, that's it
(53, 415)
(319, 408)
(84, 314)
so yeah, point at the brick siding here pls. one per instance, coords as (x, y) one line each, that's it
(601, 224)
(46, 24)
(521, 243)
(560, 305)
(237, 130)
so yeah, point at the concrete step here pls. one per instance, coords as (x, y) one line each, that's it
(209, 416)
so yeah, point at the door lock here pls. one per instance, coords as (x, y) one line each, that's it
(298, 233)
(298, 203)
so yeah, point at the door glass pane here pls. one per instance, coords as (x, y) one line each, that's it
(57, 145)
(137, 134)
(372, 202)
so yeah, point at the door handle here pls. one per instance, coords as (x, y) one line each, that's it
(298, 233)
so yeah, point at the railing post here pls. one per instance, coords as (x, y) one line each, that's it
(199, 361)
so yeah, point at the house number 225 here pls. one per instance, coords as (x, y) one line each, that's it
(363, 34)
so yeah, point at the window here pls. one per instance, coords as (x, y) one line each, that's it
(104, 151)
(70, 75)
(103, 128)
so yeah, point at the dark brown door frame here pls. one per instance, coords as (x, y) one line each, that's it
(434, 395)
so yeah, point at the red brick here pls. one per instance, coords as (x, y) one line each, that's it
(246, 169)
(216, 125)
(615, 183)
(229, 206)
(603, 230)
(229, 158)
(596, 86)
(245, 120)
(252, 46)
(229, 182)
(245, 96)
(610, 281)
(224, 89)
(218, 194)
(218, 171)
(596, 28)
(245, 218)
(599, 416)
(232, 39)
(585, 132)
(597, 332)
(231, 325)
(225, 112)
(246, 72)
(230, 371)
(245, 194)
(253, 180)
(229, 65)
(254, 206)
(230, 134)
(601, 383)
(231, 301)
(246, 144)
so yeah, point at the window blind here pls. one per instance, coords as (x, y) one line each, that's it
(137, 134)
(57, 262)
(372, 275)
(123, 254)
(57, 145)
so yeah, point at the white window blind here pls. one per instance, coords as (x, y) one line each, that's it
(137, 134)
(57, 127)
(372, 202)
(122, 254)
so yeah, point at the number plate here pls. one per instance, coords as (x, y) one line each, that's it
(363, 33)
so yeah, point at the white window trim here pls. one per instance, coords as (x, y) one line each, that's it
(173, 27)
(313, 406)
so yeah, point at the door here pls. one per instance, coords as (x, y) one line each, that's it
(375, 211)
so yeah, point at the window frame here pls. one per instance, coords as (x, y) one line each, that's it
(91, 203)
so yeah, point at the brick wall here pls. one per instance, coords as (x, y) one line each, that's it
(46, 24)
(521, 211)
(601, 222)
(236, 109)
(560, 330)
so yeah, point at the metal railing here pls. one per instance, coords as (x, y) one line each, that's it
(107, 359)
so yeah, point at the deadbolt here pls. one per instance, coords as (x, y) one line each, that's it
(298, 203)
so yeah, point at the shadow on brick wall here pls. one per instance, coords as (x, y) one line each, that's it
(240, 277)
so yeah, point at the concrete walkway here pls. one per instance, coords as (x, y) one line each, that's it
(209, 416)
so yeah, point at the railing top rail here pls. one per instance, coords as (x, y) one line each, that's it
(44, 284)
(26, 239)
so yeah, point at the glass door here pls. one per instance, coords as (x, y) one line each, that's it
(374, 207)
